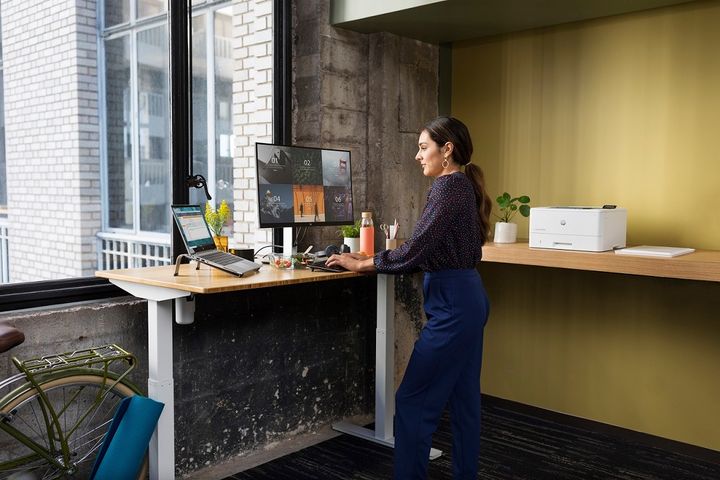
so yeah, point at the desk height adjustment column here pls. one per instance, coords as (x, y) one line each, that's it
(385, 358)
(160, 387)
(160, 365)
(384, 369)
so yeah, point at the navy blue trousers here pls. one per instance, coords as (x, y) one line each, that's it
(444, 369)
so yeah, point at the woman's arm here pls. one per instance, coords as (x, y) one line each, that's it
(354, 262)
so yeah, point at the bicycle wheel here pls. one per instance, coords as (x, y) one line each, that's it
(82, 417)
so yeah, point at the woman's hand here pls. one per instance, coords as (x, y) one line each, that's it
(355, 262)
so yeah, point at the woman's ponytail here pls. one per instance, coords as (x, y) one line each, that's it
(482, 199)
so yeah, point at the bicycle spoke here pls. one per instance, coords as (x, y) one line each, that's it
(36, 432)
(89, 418)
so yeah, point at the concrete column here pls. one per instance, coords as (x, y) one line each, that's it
(403, 87)
(370, 94)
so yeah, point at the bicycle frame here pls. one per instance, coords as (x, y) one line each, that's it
(94, 361)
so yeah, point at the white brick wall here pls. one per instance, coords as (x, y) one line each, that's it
(252, 114)
(51, 118)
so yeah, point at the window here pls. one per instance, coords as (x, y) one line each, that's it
(212, 66)
(85, 170)
(4, 268)
(136, 127)
(137, 153)
(3, 172)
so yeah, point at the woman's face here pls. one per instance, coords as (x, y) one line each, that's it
(430, 156)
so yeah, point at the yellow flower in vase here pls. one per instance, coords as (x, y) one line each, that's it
(216, 219)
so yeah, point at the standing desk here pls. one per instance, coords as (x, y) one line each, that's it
(161, 290)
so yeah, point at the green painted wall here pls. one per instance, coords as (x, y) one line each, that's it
(623, 110)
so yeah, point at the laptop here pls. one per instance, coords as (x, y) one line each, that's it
(190, 220)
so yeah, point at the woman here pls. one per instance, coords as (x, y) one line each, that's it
(444, 368)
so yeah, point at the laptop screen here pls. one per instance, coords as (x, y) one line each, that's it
(193, 227)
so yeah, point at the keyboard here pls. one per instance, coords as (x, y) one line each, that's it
(319, 264)
(221, 258)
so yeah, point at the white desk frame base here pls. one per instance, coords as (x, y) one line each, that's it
(384, 372)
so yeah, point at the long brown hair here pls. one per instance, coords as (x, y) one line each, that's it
(448, 129)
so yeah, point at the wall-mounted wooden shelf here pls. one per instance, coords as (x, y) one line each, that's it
(700, 265)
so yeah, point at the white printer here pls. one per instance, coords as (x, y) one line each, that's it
(592, 229)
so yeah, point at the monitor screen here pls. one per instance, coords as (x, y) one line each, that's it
(301, 186)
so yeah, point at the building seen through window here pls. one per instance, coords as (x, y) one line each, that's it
(4, 267)
(85, 167)
(212, 68)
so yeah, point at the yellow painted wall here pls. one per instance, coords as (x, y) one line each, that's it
(623, 110)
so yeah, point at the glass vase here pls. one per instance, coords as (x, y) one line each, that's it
(221, 242)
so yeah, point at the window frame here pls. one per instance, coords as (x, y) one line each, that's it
(16, 296)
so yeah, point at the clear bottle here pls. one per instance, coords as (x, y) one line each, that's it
(367, 234)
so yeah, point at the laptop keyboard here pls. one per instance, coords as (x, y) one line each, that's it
(221, 258)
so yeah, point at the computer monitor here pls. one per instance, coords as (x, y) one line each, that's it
(301, 186)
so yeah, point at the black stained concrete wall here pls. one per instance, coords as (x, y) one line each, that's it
(255, 367)
(262, 365)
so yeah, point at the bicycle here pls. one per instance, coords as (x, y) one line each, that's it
(56, 411)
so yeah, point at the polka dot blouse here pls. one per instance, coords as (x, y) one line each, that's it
(447, 236)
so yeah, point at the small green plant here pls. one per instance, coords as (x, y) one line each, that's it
(350, 231)
(509, 206)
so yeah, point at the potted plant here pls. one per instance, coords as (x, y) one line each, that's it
(351, 236)
(216, 219)
(505, 230)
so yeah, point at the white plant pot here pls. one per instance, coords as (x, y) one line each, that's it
(353, 243)
(505, 232)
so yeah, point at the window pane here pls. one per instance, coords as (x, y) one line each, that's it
(116, 12)
(223, 106)
(199, 104)
(40, 161)
(52, 142)
(153, 129)
(119, 132)
(3, 171)
(148, 8)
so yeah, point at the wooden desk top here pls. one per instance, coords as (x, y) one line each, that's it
(700, 265)
(212, 280)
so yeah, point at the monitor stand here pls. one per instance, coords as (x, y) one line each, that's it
(283, 235)
(288, 241)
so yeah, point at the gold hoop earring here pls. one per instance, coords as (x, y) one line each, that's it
(445, 163)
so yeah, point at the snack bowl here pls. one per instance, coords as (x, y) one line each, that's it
(281, 262)
(302, 260)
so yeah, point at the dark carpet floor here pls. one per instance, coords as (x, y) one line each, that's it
(515, 445)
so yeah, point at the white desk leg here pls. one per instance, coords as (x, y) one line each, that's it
(384, 372)
(384, 369)
(385, 358)
(160, 388)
